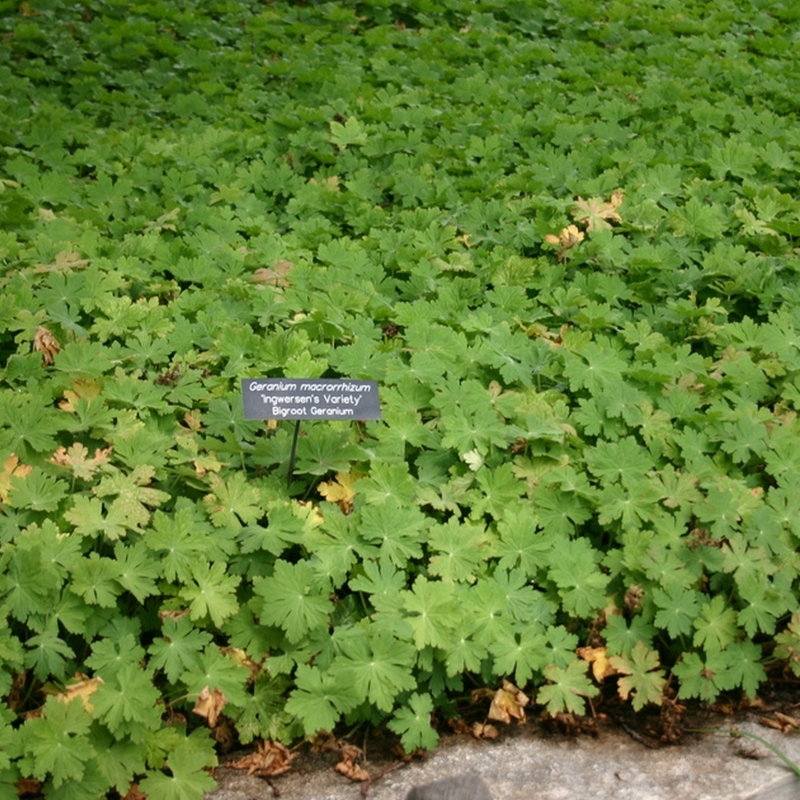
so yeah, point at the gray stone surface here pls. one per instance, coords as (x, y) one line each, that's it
(458, 787)
(527, 764)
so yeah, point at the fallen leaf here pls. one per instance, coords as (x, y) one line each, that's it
(28, 786)
(595, 212)
(46, 344)
(633, 598)
(752, 702)
(781, 722)
(223, 734)
(484, 730)
(209, 704)
(508, 702)
(348, 766)
(134, 794)
(459, 726)
(275, 276)
(324, 742)
(269, 759)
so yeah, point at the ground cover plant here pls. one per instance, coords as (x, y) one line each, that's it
(563, 237)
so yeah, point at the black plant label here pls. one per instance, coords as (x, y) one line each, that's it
(310, 398)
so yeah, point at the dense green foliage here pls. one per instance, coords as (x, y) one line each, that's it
(561, 234)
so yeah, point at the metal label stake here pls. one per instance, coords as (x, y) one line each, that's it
(293, 454)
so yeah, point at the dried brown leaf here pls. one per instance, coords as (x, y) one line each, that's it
(134, 794)
(209, 704)
(269, 759)
(46, 344)
(485, 730)
(507, 703)
(348, 767)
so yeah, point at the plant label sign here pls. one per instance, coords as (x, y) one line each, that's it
(310, 398)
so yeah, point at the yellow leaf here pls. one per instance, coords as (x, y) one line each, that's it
(597, 657)
(595, 212)
(341, 491)
(87, 389)
(83, 689)
(567, 237)
(11, 468)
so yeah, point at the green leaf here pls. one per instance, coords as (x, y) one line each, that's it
(398, 530)
(211, 592)
(567, 688)
(132, 494)
(576, 573)
(137, 570)
(413, 724)
(47, 654)
(351, 133)
(382, 581)
(215, 669)
(37, 491)
(126, 702)
(109, 656)
(523, 543)
(593, 367)
(715, 628)
(521, 655)
(746, 669)
(320, 699)
(387, 482)
(88, 517)
(234, 502)
(432, 612)
(703, 679)
(188, 779)
(96, 580)
(179, 647)
(379, 668)
(499, 489)
(461, 549)
(678, 609)
(623, 635)
(642, 678)
(57, 742)
(625, 461)
(294, 599)
(788, 644)
(180, 541)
